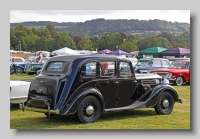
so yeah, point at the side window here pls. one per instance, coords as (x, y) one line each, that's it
(157, 63)
(88, 70)
(165, 63)
(17, 60)
(125, 69)
(107, 69)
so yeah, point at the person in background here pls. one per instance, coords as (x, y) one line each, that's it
(104, 68)
(39, 57)
(51, 54)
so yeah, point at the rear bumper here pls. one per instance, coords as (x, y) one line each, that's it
(22, 107)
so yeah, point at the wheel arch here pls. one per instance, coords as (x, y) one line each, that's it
(156, 93)
(180, 75)
(73, 105)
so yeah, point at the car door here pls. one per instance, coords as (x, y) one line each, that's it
(127, 84)
(108, 83)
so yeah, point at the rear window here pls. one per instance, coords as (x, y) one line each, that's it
(56, 66)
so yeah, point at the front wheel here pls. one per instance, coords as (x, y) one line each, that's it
(165, 103)
(89, 110)
(179, 81)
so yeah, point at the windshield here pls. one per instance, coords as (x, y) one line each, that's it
(179, 64)
(144, 63)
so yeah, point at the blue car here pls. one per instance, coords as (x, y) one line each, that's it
(12, 70)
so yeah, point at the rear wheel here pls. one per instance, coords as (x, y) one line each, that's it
(165, 103)
(89, 110)
(38, 71)
(18, 70)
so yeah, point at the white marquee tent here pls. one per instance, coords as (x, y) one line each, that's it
(65, 51)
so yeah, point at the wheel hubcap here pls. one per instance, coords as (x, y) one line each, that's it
(165, 103)
(89, 110)
(179, 81)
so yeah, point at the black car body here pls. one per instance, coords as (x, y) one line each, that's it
(77, 85)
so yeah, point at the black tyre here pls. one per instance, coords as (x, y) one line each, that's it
(37, 71)
(179, 81)
(18, 70)
(165, 103)
(89, 110)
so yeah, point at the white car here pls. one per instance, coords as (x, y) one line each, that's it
(19, 91)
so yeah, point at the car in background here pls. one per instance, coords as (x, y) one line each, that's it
(19, 91)
(18, 63)
(35, 68)
(178, 73)
(145, 65)
(12, 70)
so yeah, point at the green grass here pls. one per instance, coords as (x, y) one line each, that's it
(135, 119)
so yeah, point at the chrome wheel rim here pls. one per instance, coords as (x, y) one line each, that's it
(165, 104)
(89, 111)
(179, 81)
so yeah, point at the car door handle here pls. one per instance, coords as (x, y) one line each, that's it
(116, 82)
(134, 81)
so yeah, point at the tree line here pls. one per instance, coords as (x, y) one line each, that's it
(49, 39)
(100, 26)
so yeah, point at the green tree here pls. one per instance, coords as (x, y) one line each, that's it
(153, 41)
(129, 46)
(64, 40)
(86, 43)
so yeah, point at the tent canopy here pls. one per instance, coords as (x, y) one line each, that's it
(119, 52)
(105, 51)
(65, 51)
(151, 51)
(177, 52)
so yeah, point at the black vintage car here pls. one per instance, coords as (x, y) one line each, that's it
(88, 85)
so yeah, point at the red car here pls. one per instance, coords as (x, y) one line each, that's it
(178, 72)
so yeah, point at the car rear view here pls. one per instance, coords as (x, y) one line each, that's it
(46, 88)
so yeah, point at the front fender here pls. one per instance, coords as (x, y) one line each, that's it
(71, 107)
(152, 100)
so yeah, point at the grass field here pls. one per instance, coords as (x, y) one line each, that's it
(135, 119)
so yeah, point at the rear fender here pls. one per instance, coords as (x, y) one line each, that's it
(71, 106)
(152, 100)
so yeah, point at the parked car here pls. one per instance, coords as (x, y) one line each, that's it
(19, 91)
(67, 88)
(35, 68)
(145, 65)
(12, 70)
(18, 63)
(177, 73)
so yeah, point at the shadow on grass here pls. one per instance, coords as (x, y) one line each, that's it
(71, 121)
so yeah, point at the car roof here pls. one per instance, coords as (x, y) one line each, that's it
(153, 59)
(186, 60)
(96, 56)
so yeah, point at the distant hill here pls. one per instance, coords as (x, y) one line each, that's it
(100, 26)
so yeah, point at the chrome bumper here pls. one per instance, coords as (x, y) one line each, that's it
(22, 107)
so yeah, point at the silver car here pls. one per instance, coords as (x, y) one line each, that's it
(145, 65)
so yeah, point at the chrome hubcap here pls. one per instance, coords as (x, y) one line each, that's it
(89, 110)
(165, 103)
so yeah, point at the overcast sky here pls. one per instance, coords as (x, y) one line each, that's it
(17, 16)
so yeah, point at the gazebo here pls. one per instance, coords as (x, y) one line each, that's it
(151, 51)
(176, 52)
